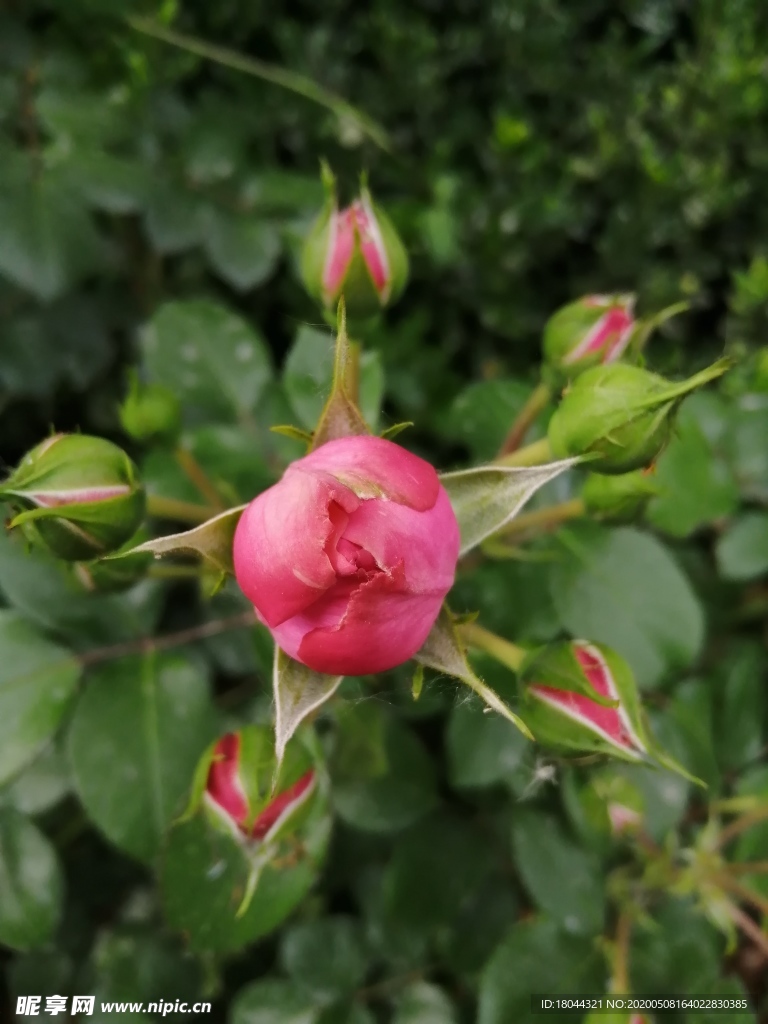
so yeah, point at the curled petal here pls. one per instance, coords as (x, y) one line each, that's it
(373, 467)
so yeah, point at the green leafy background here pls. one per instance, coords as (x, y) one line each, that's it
(152, 204)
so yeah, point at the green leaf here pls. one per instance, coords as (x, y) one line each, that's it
(172, 220)
(443, 652)
(485, 499)
(298, 692)
(740, 709)
(47, 241)
(679, 954)
(212, 541)
(563, 879)
(695, 484)
(325, 958)
(242, 249)
(48, 593)
(31, 884)
(536, 957)
(422, 1003)
(742, 551)
(436, 867)
(482, 750)
(214, 361)
(40, 786)
(483, 413)
(37, 683)
(745, 446)
(623, 588)
(205, 874)
(136, 736)
(270, 1001)
(397, 792)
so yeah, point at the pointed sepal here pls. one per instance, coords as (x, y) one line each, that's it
(341, 416)
(486, 498)
(444, 652)
(211, 541)
(298, 692)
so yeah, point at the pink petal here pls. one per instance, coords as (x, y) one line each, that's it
(611, 723)
(373, 467)
(280, 557)
(372, 245)
(426, 544)
(282, 805)
(224, 787)
(341, 245)
(610, 335)
(382, 627)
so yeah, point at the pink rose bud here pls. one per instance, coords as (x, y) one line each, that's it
(354, 252)
(347, 559)
(225, 791)
(594, 329)
(590, 703)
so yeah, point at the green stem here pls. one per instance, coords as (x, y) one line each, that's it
(620, 980)
(536, 454)
(542, 520)
(195, 473)
(534, 406)
(502, 650)
(290, 80)
(181, 511)
(746, 821)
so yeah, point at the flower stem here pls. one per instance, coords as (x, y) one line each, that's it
(502, 650)
(543, 519)
(748, 926)
(535, 454)
(620, 980)
(534, 406)
(181, 511)
(197, 475)
(746, 821)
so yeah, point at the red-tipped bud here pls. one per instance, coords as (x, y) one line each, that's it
(582, 697)
(235, 789)
(355, 253)
(594, 329)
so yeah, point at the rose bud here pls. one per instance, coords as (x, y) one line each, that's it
(354, 252)
(150, 411)
(80, 496)
(239, 781)
(348, 557)
(620, 415)
(582, 697)
(618, 499)
(594, 329)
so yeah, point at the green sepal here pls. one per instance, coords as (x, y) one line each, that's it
(397, 428)
(340, 416)
(556, 665)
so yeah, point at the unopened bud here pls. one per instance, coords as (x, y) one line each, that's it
(150, 411)
(622, 416)
(355, 253)
(618, 499)
(582, 697)
(594, 329)
(79, 496)
(239, 786)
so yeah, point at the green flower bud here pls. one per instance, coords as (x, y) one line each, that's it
(76, 495)
(618, 499)
(150, 411)
(620, 415)
(594, 329)
(355, 253)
